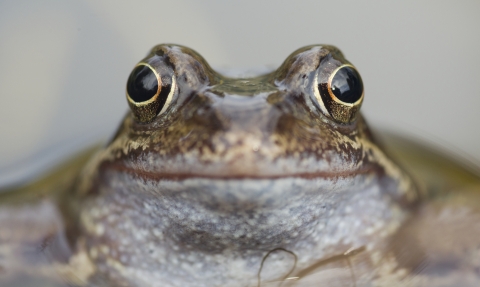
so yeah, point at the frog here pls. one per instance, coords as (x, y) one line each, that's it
(259, 180)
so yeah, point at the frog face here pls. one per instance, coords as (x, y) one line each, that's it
(206, 165)
(187, 120)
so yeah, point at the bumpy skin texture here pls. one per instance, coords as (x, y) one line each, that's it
(240, 182)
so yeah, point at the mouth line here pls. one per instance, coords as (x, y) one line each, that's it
(158, 176)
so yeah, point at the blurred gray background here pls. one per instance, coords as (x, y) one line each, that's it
(63, 64)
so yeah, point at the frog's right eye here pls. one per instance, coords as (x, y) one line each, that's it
(148, 93)
(339, 91)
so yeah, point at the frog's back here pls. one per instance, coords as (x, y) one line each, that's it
(438, 170)
(439, 245)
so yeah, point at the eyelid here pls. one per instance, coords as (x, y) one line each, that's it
(170, 95)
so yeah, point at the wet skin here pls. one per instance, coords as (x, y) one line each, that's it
(274, 180)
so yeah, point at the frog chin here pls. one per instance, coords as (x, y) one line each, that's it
(214, 215)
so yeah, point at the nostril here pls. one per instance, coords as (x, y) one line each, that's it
(208, 118)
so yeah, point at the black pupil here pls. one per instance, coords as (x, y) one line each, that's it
(142, 84)
(347, 85)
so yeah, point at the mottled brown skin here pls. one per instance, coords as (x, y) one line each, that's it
(241, 182)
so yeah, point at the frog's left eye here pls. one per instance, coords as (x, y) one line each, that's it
(339, 92)
(148, 93)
